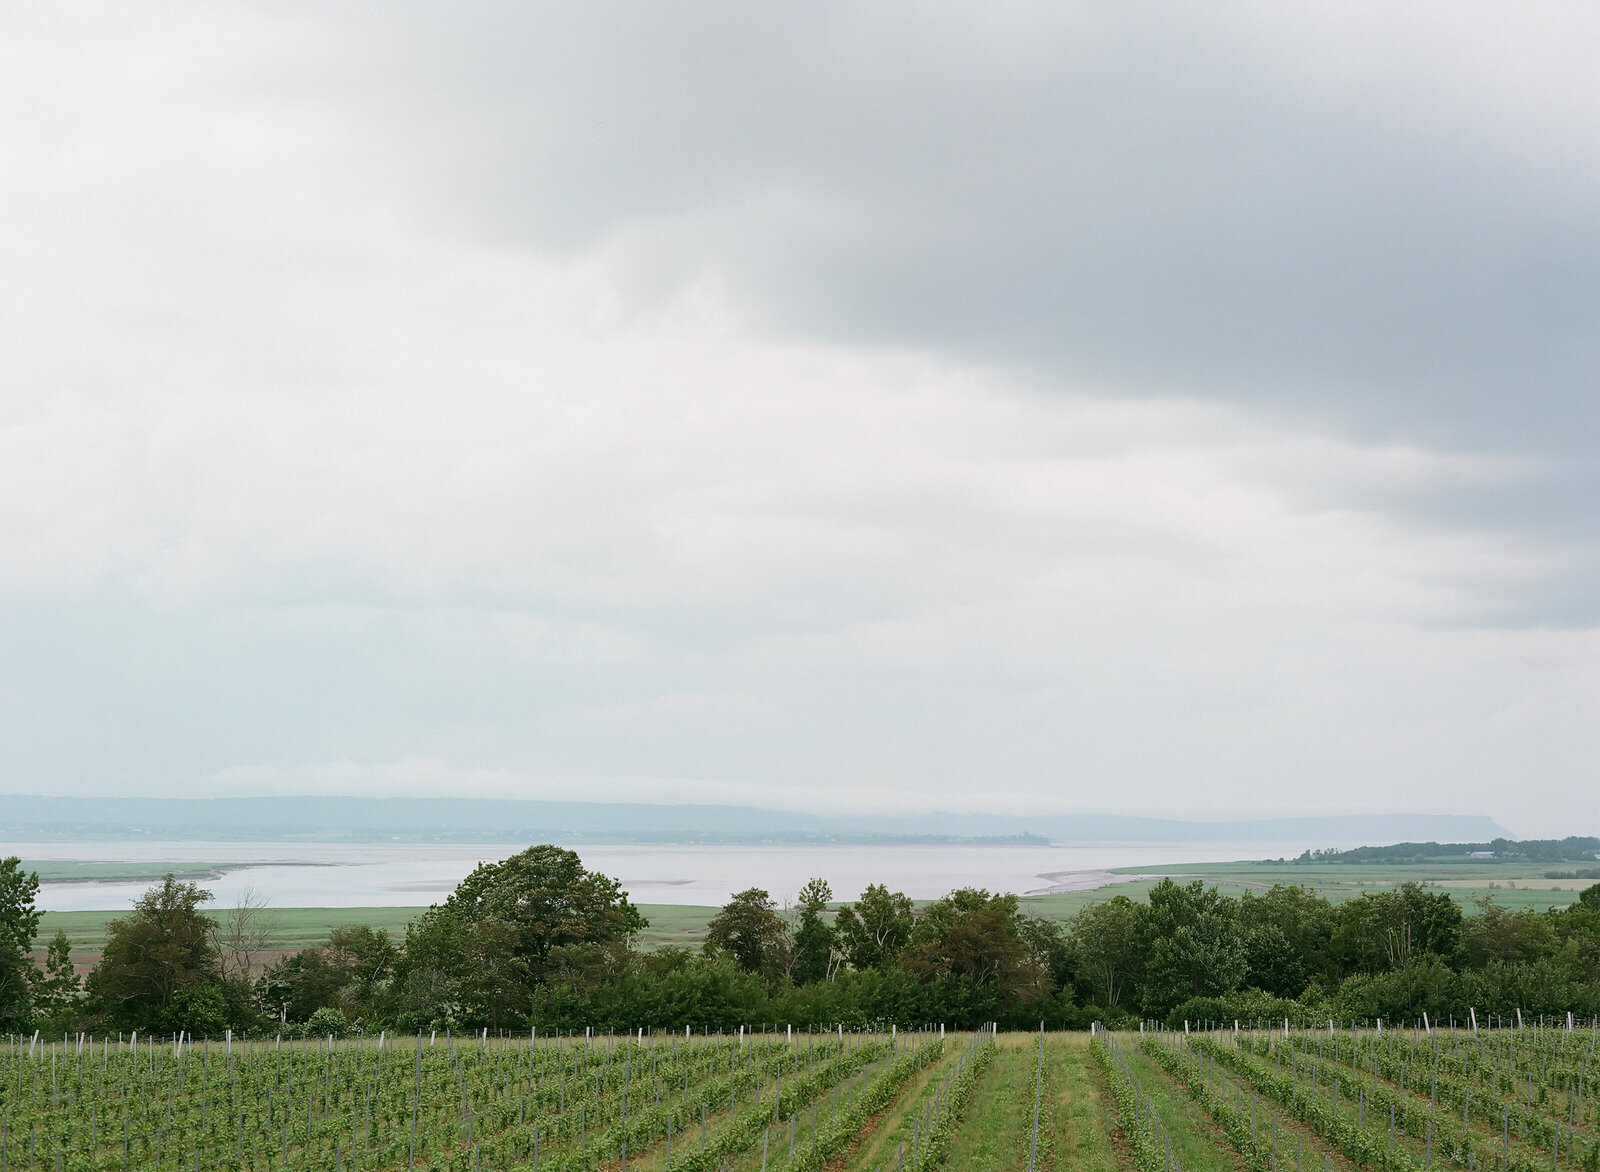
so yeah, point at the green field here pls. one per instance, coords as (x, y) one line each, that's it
(1514, 885)
(1397, 1100)
(290, 929)
(113, 871)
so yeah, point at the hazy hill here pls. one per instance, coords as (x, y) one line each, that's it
(488, 820)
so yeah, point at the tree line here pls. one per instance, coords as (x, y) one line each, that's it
(538, 940)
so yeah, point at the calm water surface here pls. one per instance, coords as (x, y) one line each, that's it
(411, 874)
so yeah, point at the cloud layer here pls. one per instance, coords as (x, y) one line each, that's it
(1067, 409)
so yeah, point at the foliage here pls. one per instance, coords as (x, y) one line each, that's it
(1192, 946)
(538, 941)
(749, 930)
(814, 937)
(1551, 850)
(875, 928)
(972, 942)
(58, 992)
(327, 1022)
(505, 930)
(1107, 947)
(157, 962)
(19, 921)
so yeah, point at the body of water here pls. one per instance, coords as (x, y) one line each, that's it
(411, 874)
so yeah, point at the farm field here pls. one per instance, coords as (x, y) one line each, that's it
(1514, 885)
(291, 929)
(1403, 1100)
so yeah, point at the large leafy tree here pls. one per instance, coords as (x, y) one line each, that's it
(873, 931)
(57, 996)
(1192, 944)
(1383, 931)
(749, 930)
(365, 953)
(549, 900)
(299, 985)
(159, 970)
(1107, 947)
(977, 938)
(506, 929)
(813, 936)
(1288, 928)
(19, 922)
(346, 974)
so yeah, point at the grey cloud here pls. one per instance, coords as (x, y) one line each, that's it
(1138, 198)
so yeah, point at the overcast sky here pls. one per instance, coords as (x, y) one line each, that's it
(1134, 409)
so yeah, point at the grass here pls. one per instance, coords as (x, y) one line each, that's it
(290, 929)
(878, 1148)
(1082, 1113)
(117, 871)
(1196, 1145)
(994, 1134)
(1514, 885)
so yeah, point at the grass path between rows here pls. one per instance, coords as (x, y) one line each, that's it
(1196, 1143)
(877, 1148)
(1083, 1111)
(993, 1134)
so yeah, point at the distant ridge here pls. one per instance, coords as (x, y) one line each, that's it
(350, 819)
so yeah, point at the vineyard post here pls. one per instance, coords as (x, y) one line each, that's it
(1038, 1086)
(416, 1099)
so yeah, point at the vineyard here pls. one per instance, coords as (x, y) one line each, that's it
(1217, 1100)
(1475, 1100)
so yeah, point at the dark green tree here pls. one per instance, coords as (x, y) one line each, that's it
(548, 900)
(159, 969)
(1105, 936)
(1384, 930)
(508, 928)
(749, 931)
(1287, 929)
(1051, 948)
(363, 952)
(814, 936)
(494, 981)
(873, 931)
(19, 922)
(1192, 945)
(57, 997)
(976, 938)
(299, 985)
